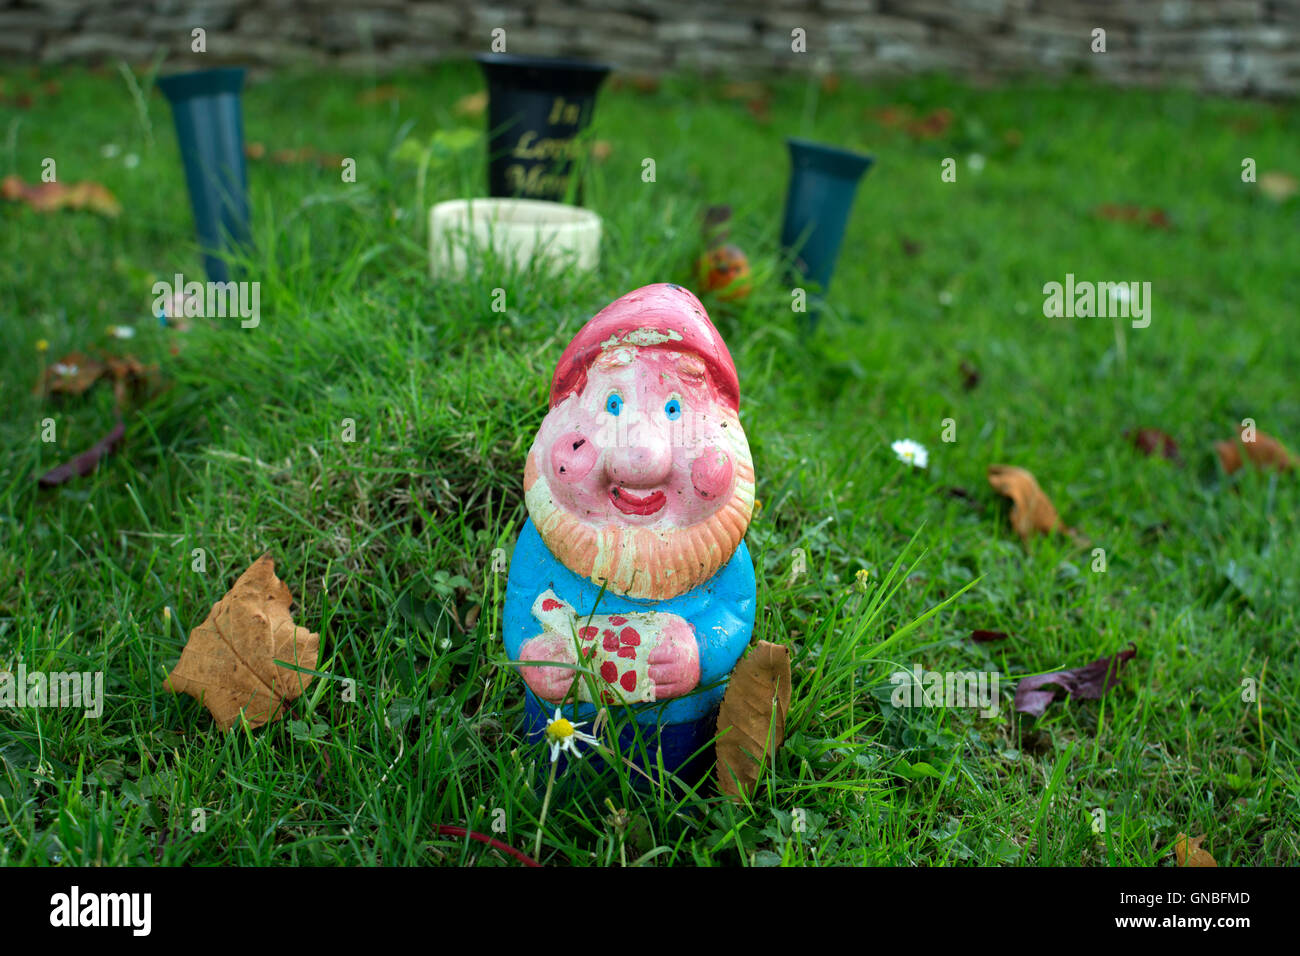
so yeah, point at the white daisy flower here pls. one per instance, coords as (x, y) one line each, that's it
(130, 160)
(121, 331)
(561, 735)
(975, 162)
(945, 298)
(109, 150)
(911, 452)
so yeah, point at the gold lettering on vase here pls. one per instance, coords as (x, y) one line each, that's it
(530, 147)
(562, 112)
(535, 181)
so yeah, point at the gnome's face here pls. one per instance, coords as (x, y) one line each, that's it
(641, 478)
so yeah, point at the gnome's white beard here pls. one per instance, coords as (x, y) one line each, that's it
(655, 563)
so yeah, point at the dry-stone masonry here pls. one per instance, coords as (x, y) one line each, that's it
(1232, 46)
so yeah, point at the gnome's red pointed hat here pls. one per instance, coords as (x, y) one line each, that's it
(663, 315)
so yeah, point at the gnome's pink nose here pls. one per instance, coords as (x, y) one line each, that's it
(644, 465)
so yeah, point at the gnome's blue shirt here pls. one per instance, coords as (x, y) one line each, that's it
(721, 611)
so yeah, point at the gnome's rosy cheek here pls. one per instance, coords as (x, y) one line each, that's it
(573, 457)
(711, 473)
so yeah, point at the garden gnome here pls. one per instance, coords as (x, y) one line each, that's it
(632, 565)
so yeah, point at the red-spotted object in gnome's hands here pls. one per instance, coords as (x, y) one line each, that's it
(639, 488)
(640, 657)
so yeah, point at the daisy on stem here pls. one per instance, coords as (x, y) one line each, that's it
(561, 734)
(911, 452)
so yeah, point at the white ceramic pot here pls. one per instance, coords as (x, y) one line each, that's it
(513, 230)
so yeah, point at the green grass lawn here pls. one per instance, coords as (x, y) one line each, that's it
(384, 538)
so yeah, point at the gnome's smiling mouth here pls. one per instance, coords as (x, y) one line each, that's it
(631, 504)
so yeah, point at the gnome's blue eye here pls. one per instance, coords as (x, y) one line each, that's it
(614, 404)
(673, 409)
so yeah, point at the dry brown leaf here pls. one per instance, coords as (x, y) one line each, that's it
(229, 661)
(1278, 186)
(129, 375)
(641, 82)
(1115, 212)
(92, 196)
(1189, 852)
(645, 83)
(291, 156)
(759, 110)
(1031, 510)
(294, 156)
(71, 375)
(931, 125)
(380, 94)
(50, 197)
(472, 105)
(1229, 455)
(754, 708)
(1153, 441)
(748, 90)
(892, 115)
(25, 99)
(601, 150)
(1264, 452)
(75, 373)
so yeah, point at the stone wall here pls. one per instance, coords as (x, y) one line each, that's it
(1232, 46)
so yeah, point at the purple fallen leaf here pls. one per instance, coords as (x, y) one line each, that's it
(84, 463)
(1088, 682)
(1152, 441)
(982, 637)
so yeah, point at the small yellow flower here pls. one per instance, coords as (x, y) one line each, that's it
(561, 734)
(42, 345)
(864, 579)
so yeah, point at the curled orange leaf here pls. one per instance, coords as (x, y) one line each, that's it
(1031, 510)
(1264, 452)
(51, 197)
(1189, 853)
(475, 104)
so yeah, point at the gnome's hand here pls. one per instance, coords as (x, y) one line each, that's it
(675, 661)
(548, 683)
